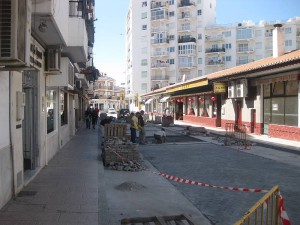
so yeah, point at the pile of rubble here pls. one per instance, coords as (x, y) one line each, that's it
(120, 154)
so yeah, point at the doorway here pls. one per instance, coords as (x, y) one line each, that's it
(239, 119)
(30, 122)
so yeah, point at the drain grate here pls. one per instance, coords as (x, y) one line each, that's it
(27, 193)
(159, 220)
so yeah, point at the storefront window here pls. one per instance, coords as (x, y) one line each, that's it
(267, 90)
(51, 108)
(278, 88)
(203, 105)
(291, 111)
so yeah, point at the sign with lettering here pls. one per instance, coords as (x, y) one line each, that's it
(188, 86)
(219, 87)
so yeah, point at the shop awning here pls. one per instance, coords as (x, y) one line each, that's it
(164, 99)
(149, 101)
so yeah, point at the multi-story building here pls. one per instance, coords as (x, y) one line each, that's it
(169, 41)
(45, 69)
(107, 95)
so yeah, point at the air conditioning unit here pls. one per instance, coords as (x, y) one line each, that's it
(231, 89)
(15, 33)
(53, 57)
(65, 78)
(241, 88)
(78, 84)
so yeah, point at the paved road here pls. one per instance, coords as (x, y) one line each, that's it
(225, 166)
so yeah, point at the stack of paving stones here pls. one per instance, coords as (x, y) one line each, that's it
(120, 154)
(196, 131)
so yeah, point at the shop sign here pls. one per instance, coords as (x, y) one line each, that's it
(219, 87)
(188, 86)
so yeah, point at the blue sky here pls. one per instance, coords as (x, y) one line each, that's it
(109, 48)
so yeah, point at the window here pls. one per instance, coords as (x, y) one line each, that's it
(187, 49)
(258, 33)
(144, 4)
(228, 58)
(171, 61)
(51, 110)
(144, 15)
(144, 62)
(226, 34)
(63, 109)
(144, 74)
(144, 27)
(288, 43)
(199, 36)
(243, 48)
(244, 33)
(199, 60)
(171, 49)
(171, 2)
(226, 46)
(144, 86)
(171, 14)
(144, 50)
(200, 73)
(171, 37)
(288, 30)
(199, 12)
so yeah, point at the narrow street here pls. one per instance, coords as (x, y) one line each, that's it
(225, 166)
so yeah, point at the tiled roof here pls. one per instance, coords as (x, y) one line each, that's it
(260, 65)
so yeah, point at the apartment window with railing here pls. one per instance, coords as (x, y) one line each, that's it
(186, 61)
(144, 15)
(288, 43)
(171, 49)
(226, 34)
(186, 26)
(144, 62)
(287, 30)
(159, 14)
(144, 74)
(243, 48)
(244, 33)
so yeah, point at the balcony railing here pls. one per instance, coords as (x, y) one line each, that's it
(187, 52)
(186, 39)
(159, 65)
(244, 50)
(160, 77)
(159, 29)
(214, 38)
(244, 61)
(155, 5)
(159, 17)
(160, 41)
(214, 50)
(187, 65)
(215, 62)
(186, 3)
(186, 28)
(160, 54)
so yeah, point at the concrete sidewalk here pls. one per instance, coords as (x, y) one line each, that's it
(75, 189)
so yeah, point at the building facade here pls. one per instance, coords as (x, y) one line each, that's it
(170, 41)
(45, 71)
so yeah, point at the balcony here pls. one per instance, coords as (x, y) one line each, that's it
(244, 50)
(186, 39)
(159, 17)
(212, 62)
(186, 29)
(186, 3)
(160, 54)
(49, 21)
(186, 16)
(215, 38)
(160, 78)
(244, 61)
(157, 5)
(214, 50)
(189, 65)
(160, 41)
(159, 65)
(160, 29)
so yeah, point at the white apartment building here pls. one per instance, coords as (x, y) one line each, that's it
(169, 41)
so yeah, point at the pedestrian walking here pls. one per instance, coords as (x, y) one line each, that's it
(94, 117)
(142, 133)
(134, 126)
(88, 117)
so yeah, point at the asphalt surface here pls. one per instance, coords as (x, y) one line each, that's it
(231, 166)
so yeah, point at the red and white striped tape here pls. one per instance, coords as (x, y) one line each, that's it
(187, 181)
(283, 214)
